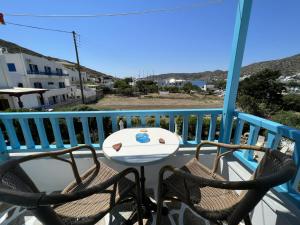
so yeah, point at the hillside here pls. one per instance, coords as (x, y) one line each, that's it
(14, 48)
(287, 66)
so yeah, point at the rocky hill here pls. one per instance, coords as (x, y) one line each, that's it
(287, 66)
(14, 48)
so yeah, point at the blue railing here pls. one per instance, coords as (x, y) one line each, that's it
(100, 120)
(45, 131)
(274, 133)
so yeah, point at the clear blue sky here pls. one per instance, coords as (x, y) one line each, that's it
(185, 41)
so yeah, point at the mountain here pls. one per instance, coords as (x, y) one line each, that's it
(14, 48)
(287, 66)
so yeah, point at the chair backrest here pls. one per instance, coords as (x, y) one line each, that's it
(274, 169)
(16, 188)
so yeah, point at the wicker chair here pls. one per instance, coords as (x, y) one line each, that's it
(84, 201)
(214, 198)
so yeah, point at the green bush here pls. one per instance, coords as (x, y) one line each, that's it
(288, 118)
(291, 102)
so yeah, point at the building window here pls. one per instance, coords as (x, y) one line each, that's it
(11, 67)
(59, 71)
(61, 85)
(50, 83)
(47, 70)
(34, 69)
(37, 85)
(20, 84)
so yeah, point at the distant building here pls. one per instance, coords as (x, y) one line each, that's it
(199, 83)
(20, 70)
(180, 83)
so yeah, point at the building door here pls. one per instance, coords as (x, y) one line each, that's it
(4, 104)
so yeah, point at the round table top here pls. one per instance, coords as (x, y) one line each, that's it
(134, 153)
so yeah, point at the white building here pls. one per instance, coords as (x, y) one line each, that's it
(28, 71)
(171, 83)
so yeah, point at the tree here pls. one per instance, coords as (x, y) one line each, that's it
(120, 84)
(220, 84)
(291, 102)
(188, 87)
(146, 86)
(128, 80)
(261, 94)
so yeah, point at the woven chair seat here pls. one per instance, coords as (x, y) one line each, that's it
(205, 199)
(94, 206)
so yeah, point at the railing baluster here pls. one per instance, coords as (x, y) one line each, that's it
(252, 139)
(71, 131)
(86, 130)
(114, 123)
(198, 135)
(143, 120)
(212, 127)
(171, 122)
(27, 133)
(56, 132)
(2, 142)
(13, 139)
(273, 140)
(128, 121)
(101, 135)
(238, 131)
(42, 133)
(185, 127)
(157, 120)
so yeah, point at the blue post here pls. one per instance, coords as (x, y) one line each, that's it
(238, 46)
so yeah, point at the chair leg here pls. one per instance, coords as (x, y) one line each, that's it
(159, 210)
(247, 220)
(160, 199)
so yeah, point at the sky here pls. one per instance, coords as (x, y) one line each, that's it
(193, 40)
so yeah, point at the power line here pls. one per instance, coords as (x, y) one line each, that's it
(150, 11)
(39, 28)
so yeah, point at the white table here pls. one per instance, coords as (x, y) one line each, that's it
(134, 153)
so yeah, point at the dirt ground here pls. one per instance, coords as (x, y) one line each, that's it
(156, 101)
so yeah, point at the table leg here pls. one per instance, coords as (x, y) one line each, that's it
(147, 203)
(148, 206)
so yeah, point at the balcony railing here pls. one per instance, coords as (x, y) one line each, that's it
(46, 73)
(45, 131)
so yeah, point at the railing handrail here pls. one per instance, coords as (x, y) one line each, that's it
(270, 125)
(12, 115)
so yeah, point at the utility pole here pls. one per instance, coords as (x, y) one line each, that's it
(78, 67)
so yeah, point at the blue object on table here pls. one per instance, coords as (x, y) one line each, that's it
(142, 137)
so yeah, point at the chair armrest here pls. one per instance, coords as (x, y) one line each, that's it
(54, 199)
(203, 182)
(55, 155)
(231, 147)
(58, 153)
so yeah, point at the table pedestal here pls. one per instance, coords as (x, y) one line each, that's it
(148, 206)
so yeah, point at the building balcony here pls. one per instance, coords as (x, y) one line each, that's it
(27, 133)
(46, 73)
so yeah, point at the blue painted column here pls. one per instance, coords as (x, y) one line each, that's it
(237, 52)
